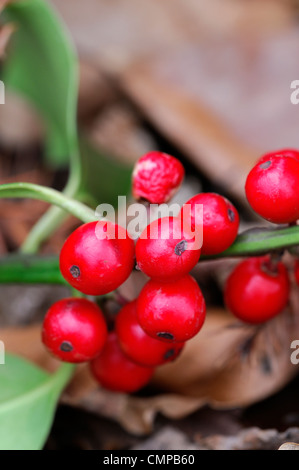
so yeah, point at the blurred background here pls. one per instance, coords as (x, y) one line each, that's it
(209, 82)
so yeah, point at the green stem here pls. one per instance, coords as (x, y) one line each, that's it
(259, 241)
(43, 193)
(45, 270)
(30, 270)
(54, 216)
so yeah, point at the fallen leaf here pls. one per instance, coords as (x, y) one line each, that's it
(251, 439)
(227, 365)
(230, 364)
(191, 127)
(213, 79)
(289, 446)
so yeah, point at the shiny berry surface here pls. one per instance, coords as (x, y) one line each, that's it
(115, 371)
(97, 257)
(285, 152)
(165, 251)
(137, 344)
(74, 330)
(218, 219)
(272, 189)
(172, 312)
(156, 177)
(255, 291)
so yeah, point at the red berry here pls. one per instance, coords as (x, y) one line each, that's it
(137, 344)
(166, 251)
(74, 330)
(97, 257)
(115, 371)
(272, 189)
(156, 177)
(172, 312)
(218, 219)
(255, 292)
(280, 153)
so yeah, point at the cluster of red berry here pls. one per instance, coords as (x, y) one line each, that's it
(258, 288)
(170, 309)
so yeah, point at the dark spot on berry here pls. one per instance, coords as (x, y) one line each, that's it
(170, 353)
(265, 165)
(165, 335)
(231, 215)
(180, 247)
(66, 346)
(75, 271)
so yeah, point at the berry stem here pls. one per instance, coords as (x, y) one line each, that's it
(27, 269)
(43, 193)
(259, 241)
(271, 264)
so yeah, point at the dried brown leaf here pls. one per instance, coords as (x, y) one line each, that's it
(227, 365)
(191, 126)
(230, 364)
(200, 73)
(251, 439)
(289, 446)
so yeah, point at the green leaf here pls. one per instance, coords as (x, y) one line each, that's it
(43, 193)
(42, 65)
(28, 400)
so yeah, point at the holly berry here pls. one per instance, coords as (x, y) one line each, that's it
(218, 219)
(74, 330)
(166, 251)
(137, 344)
(115, 371)
(173, 311)
(256, 290)
(156, 177)
(288, 152)
(272, 188)
(97, 257)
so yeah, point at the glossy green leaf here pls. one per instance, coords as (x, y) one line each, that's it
(28, 400)
(42, 66)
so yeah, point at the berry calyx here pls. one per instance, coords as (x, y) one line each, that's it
(156, 177)
(218, 219)
(74, 330)
(173, 311)
(137, 344)
(166, 251)
(115, 371)
(272, 188)
(97, 257)
(256, 291)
